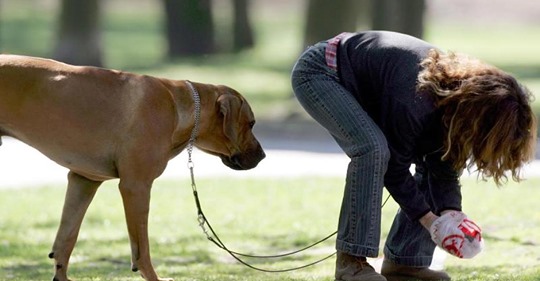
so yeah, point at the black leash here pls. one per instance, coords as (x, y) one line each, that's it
(209, 230)
(212, 236)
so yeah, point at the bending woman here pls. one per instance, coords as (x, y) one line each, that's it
(391, 100)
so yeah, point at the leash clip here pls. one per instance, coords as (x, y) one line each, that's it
(202, 224)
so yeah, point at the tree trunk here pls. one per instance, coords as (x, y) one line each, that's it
(364, 14)
(413, 18)
(190, 27)
(242, 31)
(405, 16)
(328, 18)
(79, 35)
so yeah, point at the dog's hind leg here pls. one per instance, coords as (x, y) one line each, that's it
(80, 193)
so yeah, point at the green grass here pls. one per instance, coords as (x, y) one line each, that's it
(251, 215)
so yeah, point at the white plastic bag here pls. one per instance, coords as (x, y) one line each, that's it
(457, 235)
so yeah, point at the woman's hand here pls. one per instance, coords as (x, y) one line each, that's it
(428, 219)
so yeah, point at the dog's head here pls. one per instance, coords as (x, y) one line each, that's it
(229, 134)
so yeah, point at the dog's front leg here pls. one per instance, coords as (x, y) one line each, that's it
(136, 198)
(80, 192)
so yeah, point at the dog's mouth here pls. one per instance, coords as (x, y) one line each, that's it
(244, 161)
(231, 162)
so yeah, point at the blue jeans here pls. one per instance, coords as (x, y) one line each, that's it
(319, 91)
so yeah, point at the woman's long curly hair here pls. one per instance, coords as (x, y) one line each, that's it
(486, 115)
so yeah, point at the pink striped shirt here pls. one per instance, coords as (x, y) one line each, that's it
(331, 50)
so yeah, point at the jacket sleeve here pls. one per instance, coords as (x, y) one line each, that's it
(404, 188)
(402, 132)
(444, 183)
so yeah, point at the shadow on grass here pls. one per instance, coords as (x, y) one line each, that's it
(494, 273)
(196, 265)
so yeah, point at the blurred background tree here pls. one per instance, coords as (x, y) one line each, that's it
(242, 30)
(189, 27)
(325, 19)
(406, 16)
(78, 38)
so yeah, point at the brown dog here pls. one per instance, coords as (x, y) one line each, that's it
(104, 124)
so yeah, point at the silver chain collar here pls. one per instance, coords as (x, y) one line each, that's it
(194, 132)
(197, 117)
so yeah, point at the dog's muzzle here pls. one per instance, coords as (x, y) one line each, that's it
(245, 160)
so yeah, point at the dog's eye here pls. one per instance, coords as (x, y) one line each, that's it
(251, 124)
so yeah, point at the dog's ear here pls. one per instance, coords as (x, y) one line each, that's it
(229, 107)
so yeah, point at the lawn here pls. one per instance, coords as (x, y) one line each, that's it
(261, 216)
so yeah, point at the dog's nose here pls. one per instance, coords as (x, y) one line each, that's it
(262, 155)
(258, 154)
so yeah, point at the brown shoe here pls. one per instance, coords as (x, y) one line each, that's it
(351, 268)
(397, 272)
